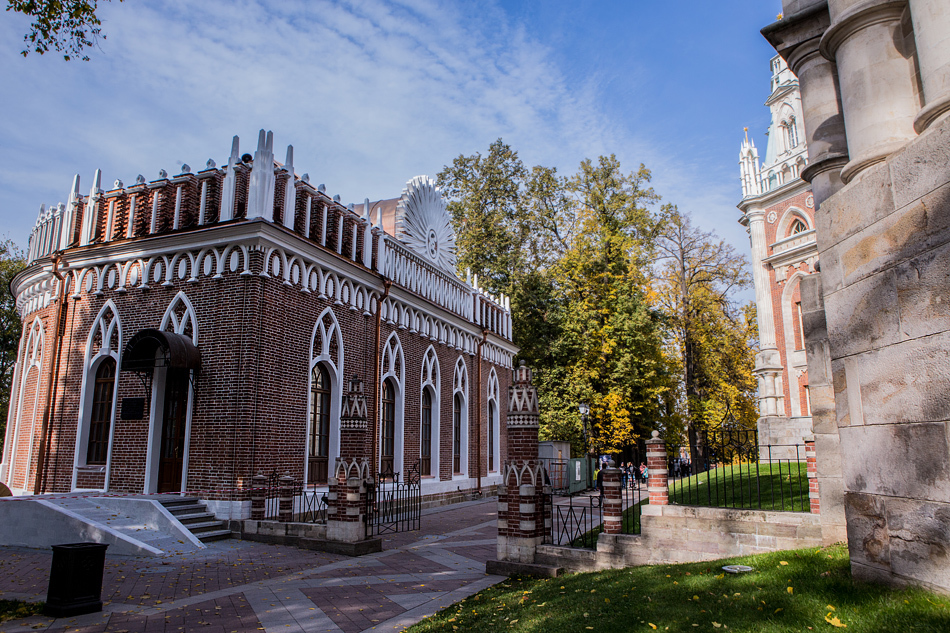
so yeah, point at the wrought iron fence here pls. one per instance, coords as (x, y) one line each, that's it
(576, 522)
(633, 491)
(730, 469)
(309, 505)
(394, 504)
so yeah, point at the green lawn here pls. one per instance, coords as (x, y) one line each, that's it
(787, 591)
(780, 486)
(13, 609)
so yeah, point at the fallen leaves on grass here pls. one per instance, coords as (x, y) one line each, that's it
(834, 621)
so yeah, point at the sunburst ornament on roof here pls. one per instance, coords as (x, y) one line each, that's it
(423, 224)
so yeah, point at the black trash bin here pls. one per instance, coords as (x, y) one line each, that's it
(75, 579)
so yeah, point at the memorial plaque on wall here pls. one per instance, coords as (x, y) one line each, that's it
(133, 408)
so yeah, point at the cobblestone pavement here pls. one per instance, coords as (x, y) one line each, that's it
(244, 586)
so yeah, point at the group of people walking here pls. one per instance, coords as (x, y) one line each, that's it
(630, 475)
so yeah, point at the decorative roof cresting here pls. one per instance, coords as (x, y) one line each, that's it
(423, 223)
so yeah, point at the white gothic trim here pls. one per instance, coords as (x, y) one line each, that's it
(32, 357)
(493, 397)
(393, 366)
(186, 324)
(431, 380)
(109, 326)
(326, 331)
(460, 387)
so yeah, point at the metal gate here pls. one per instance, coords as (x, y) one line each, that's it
(394, 504)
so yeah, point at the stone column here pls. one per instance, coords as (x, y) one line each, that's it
(285, 507)
(931, 20)
(875, 61)
(346, 500)
(613, 500)
(796, 37)
(826, 486)
(811, 467)
(658, 482)
(522, 521)
(258, 496)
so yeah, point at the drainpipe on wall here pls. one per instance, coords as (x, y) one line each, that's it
(478, 414)
(39, 484)
(379, 312)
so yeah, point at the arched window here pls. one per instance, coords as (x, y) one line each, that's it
(319, 456)
(798, 227)
(792, 133)
(100, 422)
(491, 435)
(425, 461)
(457, 433)
(388, 443)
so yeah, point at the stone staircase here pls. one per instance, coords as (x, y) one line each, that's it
(194, 515)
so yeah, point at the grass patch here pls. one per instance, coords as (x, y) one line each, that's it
(15, 609)
(787, 591)
(779, 486)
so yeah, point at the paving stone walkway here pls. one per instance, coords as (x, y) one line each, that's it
(243, 586)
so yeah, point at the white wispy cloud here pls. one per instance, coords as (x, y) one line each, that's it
(370, 93)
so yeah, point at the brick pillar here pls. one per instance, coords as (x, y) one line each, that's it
(658, 483)
(811, 459)
(613, 500)
(285, 509)
(258, 496)
(522, 520)
(346, 501)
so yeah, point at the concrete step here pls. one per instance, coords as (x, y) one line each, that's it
(216, 535)
(190, 508)
(198, 517)
(198, 528)
(194, 515)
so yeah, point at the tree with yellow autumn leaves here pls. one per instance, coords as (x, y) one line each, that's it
(586, 262)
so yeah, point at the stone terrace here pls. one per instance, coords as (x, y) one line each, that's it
(244, 586)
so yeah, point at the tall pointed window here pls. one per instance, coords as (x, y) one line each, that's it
(319, 457)
(457, 433)
(388, 443)
(491, 435)
(425, 460)
(100, 423)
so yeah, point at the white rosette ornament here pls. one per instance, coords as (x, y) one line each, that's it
(423, 223)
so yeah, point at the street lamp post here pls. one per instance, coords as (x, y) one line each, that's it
(585, 411)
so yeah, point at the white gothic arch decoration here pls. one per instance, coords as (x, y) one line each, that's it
(460, 392)
(795, 357)
(393, 368)
(180, 318)
(326, 349)
(104, 343)
(430, 382)
(493, 432)
(31, 362)
(423, 223)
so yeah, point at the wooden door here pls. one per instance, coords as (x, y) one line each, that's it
(172, 456)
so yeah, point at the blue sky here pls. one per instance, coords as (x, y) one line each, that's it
(372, 93)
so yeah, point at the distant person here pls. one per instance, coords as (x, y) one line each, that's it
(644, 472)
(600, 484)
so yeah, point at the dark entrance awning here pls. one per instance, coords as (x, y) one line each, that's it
(149, 349)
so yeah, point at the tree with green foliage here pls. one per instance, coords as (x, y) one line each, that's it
(696, 274)
(65, 26)
(12, 262)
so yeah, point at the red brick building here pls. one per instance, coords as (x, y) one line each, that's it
(778, 210)
(186, 333)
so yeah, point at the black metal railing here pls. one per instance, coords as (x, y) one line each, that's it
(394, 503)
(313, 506)
(633, 491)
(576, 522)
(732, 470)
(309, 505)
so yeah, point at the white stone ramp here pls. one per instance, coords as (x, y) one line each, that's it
(130, 526)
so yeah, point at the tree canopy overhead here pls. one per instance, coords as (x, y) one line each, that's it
(65, 26)
(617, 302)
